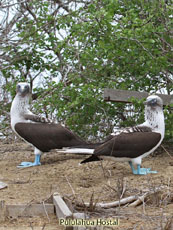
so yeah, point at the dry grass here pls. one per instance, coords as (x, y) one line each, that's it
(92, 183)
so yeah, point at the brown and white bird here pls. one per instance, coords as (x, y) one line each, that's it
(133, 144)
(39, 131)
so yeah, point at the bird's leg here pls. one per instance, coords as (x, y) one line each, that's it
(140, 171)
(131, 165)
(30, 164)
(37, 159)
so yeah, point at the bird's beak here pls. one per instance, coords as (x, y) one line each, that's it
(151, 102)
(23, 90)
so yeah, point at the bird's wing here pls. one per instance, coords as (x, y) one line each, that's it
(37, 118)
(133, 129)
(127, 130)
(129, 145)
(46, 136)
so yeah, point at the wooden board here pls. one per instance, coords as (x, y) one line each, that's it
(2, 210)
(31, 210)
(62, 211)
(125, 96)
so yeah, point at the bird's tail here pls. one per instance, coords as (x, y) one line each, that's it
(81, 151)
(91, 158)
(88, 145)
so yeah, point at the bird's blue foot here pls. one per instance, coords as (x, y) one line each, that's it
(27, 164)
(140, 171)
(143, 171)
(30, 164)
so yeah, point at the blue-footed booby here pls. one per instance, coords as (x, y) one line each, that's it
(39, 131)
(134, 143)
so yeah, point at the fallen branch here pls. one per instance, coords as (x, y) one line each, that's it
(139, 200)
(143, 197)
(112, 204)
(133, 201)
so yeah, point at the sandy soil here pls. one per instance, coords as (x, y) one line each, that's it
(99, 182)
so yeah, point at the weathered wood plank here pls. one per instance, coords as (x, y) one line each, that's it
(125, 96)
(2, 210)
(29, 210)
(62, 210)
(79, 215)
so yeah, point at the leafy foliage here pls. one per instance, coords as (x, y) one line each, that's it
(70, 52)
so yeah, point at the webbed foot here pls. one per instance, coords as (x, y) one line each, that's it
(27, 164)
(140, 171)
(30, 164)
(143, 171)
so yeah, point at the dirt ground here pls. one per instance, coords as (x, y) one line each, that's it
(99, 182)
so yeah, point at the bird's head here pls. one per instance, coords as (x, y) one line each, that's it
(23, 89)
(154, 101)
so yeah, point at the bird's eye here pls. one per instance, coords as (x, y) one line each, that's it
(19, 86)
(26, 86)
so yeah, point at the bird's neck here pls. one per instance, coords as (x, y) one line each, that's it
(19, 107)
(155, 119)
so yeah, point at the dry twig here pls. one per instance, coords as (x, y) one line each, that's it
(46, 212)
(167, 152)
(70, 186)
(169, 224)
(44, 225)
